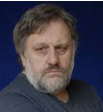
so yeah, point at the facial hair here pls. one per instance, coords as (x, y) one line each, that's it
(43, 82)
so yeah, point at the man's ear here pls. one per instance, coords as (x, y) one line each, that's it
(23, 59)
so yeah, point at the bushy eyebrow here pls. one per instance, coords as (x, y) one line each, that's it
(59, 43)
(64, 44)
(39, 43)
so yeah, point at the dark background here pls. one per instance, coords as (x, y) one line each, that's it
(89, 57)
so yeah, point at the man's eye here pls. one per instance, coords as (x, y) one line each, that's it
(41, 50)
(61, 49)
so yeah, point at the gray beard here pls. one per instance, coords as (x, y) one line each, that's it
(42, 83)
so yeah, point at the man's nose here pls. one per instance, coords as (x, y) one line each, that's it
(53, 58)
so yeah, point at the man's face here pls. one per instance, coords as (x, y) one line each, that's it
(49, 58)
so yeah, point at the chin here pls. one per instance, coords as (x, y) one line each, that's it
(53, 85)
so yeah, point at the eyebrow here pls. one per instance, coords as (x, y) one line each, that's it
(59, 43)
(40, 44)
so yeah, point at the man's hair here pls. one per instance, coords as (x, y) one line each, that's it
(36, 19)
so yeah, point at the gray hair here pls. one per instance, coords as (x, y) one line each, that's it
(36, 19)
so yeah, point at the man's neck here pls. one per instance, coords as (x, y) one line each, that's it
(63, 96)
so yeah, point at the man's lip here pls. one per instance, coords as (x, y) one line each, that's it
(53, 71)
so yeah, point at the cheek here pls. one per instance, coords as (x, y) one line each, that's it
(67, 60)
(37, 64)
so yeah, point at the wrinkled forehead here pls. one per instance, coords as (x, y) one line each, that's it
(55, 32)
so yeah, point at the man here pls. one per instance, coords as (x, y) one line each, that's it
(46, 40)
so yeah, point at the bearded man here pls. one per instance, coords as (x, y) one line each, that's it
(46, 40)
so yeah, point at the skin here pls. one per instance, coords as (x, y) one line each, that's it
(52, 47)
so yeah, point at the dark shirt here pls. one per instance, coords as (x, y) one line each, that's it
(21, 96)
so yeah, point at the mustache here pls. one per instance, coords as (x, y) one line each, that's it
(53, 67)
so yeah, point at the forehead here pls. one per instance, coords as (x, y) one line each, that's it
(55, 32)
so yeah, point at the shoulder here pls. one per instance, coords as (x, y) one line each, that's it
(82, 87)
(16, 102)
(16, 97)
(85, 95)
(77, 85)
